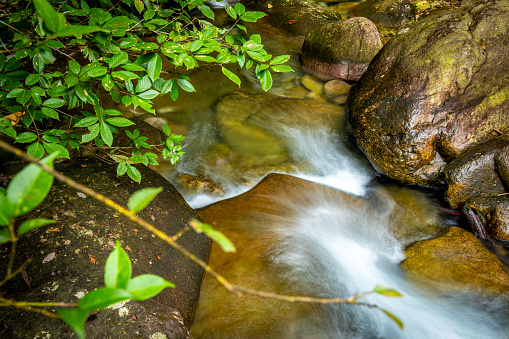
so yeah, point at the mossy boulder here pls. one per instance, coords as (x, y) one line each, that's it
(341, 49)
(434, 91)
(456, 261)
(69, 255)
(385, 13)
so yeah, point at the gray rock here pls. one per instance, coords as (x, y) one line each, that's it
(386, 13)
(84, 235)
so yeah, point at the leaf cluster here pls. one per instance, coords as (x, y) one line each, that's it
(62, 56)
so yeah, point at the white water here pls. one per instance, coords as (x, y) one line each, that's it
(341, 251)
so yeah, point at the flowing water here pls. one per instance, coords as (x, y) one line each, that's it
(321, 245)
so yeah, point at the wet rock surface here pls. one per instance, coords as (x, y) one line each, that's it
(456, 261)
(385, 13)
(295, 17)
(434, 91)
(340, 50)
(495, 213)
(69, 255)
(473, 173)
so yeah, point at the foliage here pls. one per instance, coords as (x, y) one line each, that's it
(61, 58)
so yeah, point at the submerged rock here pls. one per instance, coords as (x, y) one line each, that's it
(340, 50)
(296, 17)
(251, 123)
(69, 256)
(434, 91)
(385, 13)
(456, 261)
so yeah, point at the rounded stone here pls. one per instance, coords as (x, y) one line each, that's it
(340, 50)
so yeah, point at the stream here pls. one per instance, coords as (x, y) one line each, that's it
(320, 246)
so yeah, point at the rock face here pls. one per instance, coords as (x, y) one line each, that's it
(473, 173)
(85, 234)
(456, 261)
(296, 17)
(434, 91)
(386, 13)
(340, 50)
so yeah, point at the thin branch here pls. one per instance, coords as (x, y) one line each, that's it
(10, 276)
(237, 290)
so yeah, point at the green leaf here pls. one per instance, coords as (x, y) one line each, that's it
(32, 79)
(54, 102)
(23, 97)
(74, 66)
(166, 129)
(146, 286)
(280, 59)
(51, 147)
(35, 150)
(231, 12)
(124, 75)
(133, 173)
(185, 85)
(38, 63)
(265, 79)
(86, 122)
(102, 298)
(144, 84)
(106, 134)
(239, 8)
(51, 113)
(95, 72)
(118, 59)
(225, 243)
(26, 137)
(33, 224)
(154, 67)
(107, 82)
(121, 168)
(48, 15)
(54, 44)
(94, 132)
(119, 122)
(138, 4)
(282, 68)
(388, 292)
(30, 186)
(5, 212)
(252, 16)
(77, 30)
(140, 199)
(150, 94)
(118, 268)
(232, 76)
(394, 318)
(5, 237)
(75, 318)
(207, 11)
(149, 14)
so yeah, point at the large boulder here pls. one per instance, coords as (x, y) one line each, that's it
(341, 49)
(70, 255)
(456, 261)
(474, 174)
(434, 91)
(265, 224)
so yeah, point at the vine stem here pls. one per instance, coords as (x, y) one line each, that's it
(237, 290)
